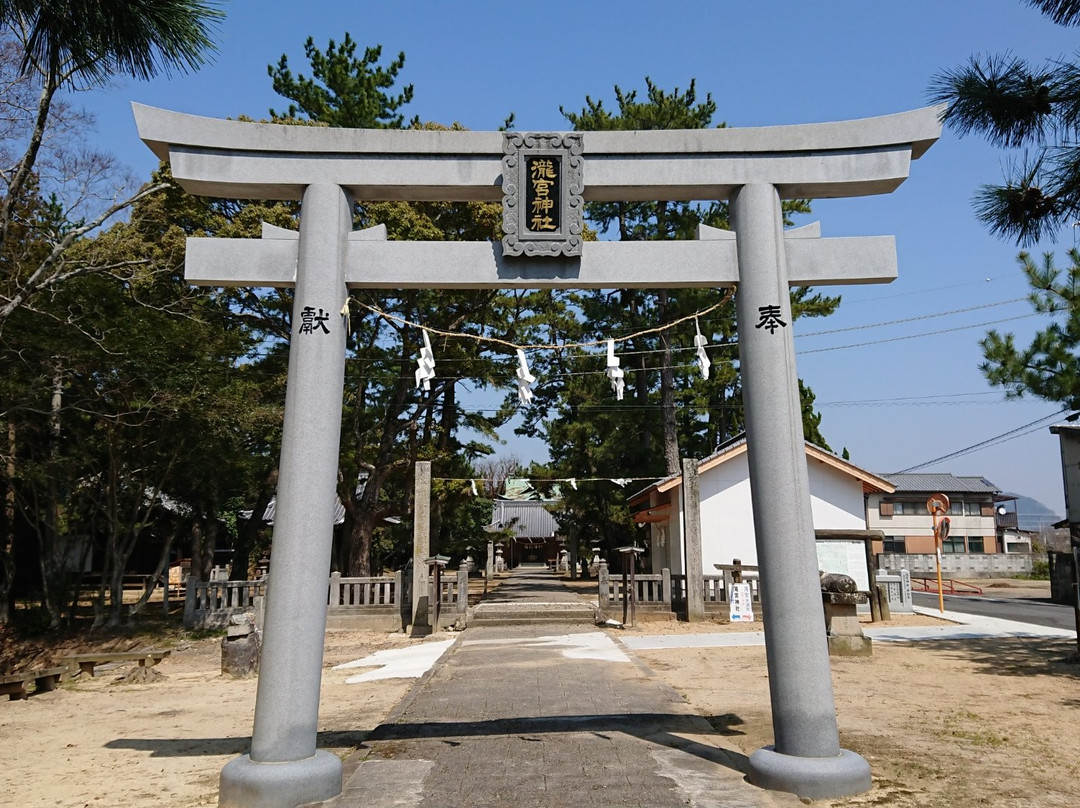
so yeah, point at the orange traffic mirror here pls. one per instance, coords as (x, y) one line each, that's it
(938, 503)
(943, 529)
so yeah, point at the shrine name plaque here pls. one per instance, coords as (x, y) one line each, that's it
(542, 186)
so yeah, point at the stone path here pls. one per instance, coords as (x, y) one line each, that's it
(532, 595)
(535, 715)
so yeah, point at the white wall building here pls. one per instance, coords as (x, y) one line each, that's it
(837, 491)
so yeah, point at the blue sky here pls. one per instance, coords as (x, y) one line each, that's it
(911, 395)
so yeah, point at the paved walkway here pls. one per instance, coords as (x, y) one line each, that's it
(532, 584)
(963, 627)
(539, 715)
(547, 715)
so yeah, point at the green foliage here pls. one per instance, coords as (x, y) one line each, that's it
(669, 411)
(1049, 367)
(134, 412)
(94, 40)
(345, 91)
(76, 44)
(388, 424)
(1017, 105)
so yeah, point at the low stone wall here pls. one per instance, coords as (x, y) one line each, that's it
(665, 594)
(210, 604)
(371, 603)
(960, 565)
(377, 603)
(652, 592)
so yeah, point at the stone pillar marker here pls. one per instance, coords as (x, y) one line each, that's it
(421, 547)
(806, 758)
(284, 767)
(695, 574)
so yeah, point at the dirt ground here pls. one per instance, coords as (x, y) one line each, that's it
(986, 723)
(957, 723)
(103, 742)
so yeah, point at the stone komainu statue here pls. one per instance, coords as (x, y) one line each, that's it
(836, 582)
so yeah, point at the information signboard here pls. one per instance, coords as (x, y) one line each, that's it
(741, 604)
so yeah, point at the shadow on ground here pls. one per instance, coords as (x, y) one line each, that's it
(663, 729)
(196, 747)
(1012, 656)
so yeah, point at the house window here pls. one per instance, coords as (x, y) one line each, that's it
(975, 544)
(973, 508)
(953, 544)
(894, 544)
(956, 508)
(885, 508)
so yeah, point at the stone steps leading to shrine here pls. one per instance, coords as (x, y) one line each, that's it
(522, 612)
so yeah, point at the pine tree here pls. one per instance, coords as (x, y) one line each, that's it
(388, 423)
(1017, 105)
(669, 411)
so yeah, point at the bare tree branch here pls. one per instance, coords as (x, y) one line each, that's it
(44, 277)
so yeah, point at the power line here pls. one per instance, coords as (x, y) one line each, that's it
(916, 318)
(1002, 438)
(913, 399)
(920, 291)
(918, 336)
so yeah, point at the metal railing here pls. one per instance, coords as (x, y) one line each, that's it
(949, 586)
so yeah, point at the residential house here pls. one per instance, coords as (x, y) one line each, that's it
(838, 490)
(979, 521)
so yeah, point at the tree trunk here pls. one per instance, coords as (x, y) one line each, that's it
(197, 542)
(116, 594)
(7, 540)
(203, 542)
(360, 535)
(667, 394)
(248, 534)
(51, 556)
(25, 167)
(155, 579)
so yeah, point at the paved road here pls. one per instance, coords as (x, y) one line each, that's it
(547, 716)
(1021, 610)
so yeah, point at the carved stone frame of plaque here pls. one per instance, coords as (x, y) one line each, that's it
(566, 149)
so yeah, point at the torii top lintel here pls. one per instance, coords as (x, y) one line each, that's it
(233, 159)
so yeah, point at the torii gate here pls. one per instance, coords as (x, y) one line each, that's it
(330, 168)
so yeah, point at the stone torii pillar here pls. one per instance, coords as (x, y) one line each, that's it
(290, 676)
(753, 168)
(806, 757)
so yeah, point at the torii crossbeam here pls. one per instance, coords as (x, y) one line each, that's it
(329, 169)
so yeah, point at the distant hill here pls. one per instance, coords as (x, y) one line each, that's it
(1033, 515)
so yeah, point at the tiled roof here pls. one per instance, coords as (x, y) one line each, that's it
(529, 519)
(521, 489)
(940, 484)
(737, 444)
(723, 448)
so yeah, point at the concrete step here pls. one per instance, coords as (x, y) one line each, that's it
(515, 613)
